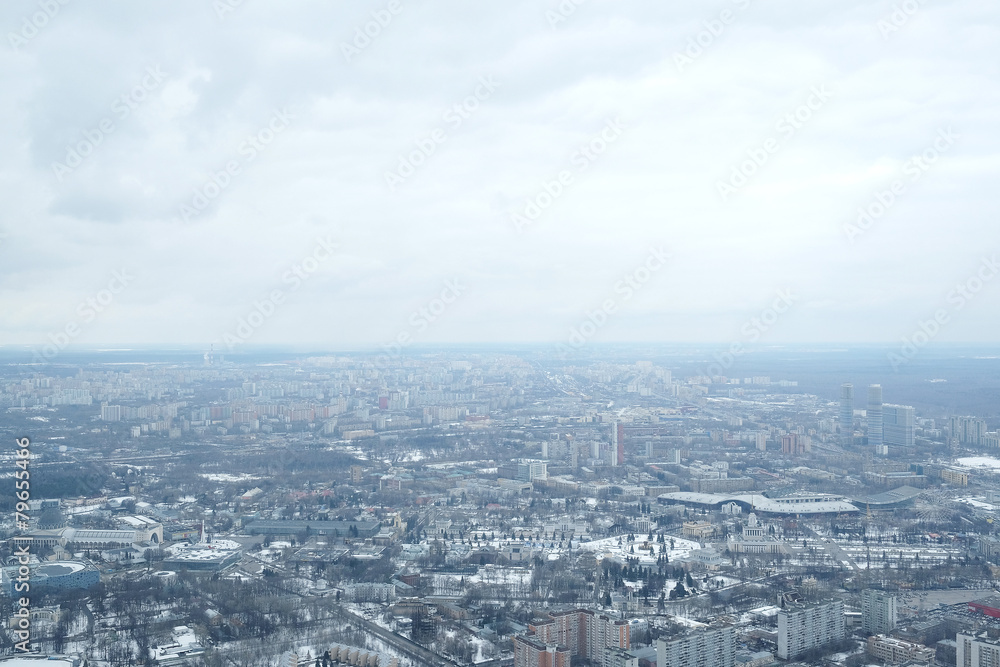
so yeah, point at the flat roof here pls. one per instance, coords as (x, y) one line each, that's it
(36, 661)
(218, 550)
(59, 569)
(297, 525)
(991, 601)
(901, 494)
(760, 503)
(139, 521)
(72, 534)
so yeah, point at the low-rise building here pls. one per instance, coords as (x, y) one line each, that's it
(530, 653)
(895, 651)
(698, 530)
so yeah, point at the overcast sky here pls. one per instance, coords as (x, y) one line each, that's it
(117, 116)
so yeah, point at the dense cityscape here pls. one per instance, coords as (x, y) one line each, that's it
(490, 508)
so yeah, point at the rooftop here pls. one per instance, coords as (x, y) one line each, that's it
(760, 503)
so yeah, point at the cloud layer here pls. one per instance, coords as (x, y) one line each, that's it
(205, 147)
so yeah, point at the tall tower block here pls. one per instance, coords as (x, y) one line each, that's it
(847, 413)
(874, 417)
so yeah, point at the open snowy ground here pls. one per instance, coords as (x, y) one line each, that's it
(609, 547)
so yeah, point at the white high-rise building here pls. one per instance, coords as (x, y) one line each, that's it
(874, 416)
(977, 650)
(802, 627)
(878, 612)
(847, 413)
(111, 413)
(712, 647)
(617, 443)
(967, 430)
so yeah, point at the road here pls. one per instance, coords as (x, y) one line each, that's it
(831, 547)
(405, 646)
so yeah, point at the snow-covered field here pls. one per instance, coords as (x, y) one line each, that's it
(979, 462)
(226, 477)
(456, 464)
(618, 548)
(492, 575)
(372, 643)
(687, 622)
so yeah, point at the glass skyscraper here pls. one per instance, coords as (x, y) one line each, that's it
(847, 413)
(874, 416)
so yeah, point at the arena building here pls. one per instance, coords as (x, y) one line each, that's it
(800, 504)
(53, 575)
(38, 660)
(141, 530)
